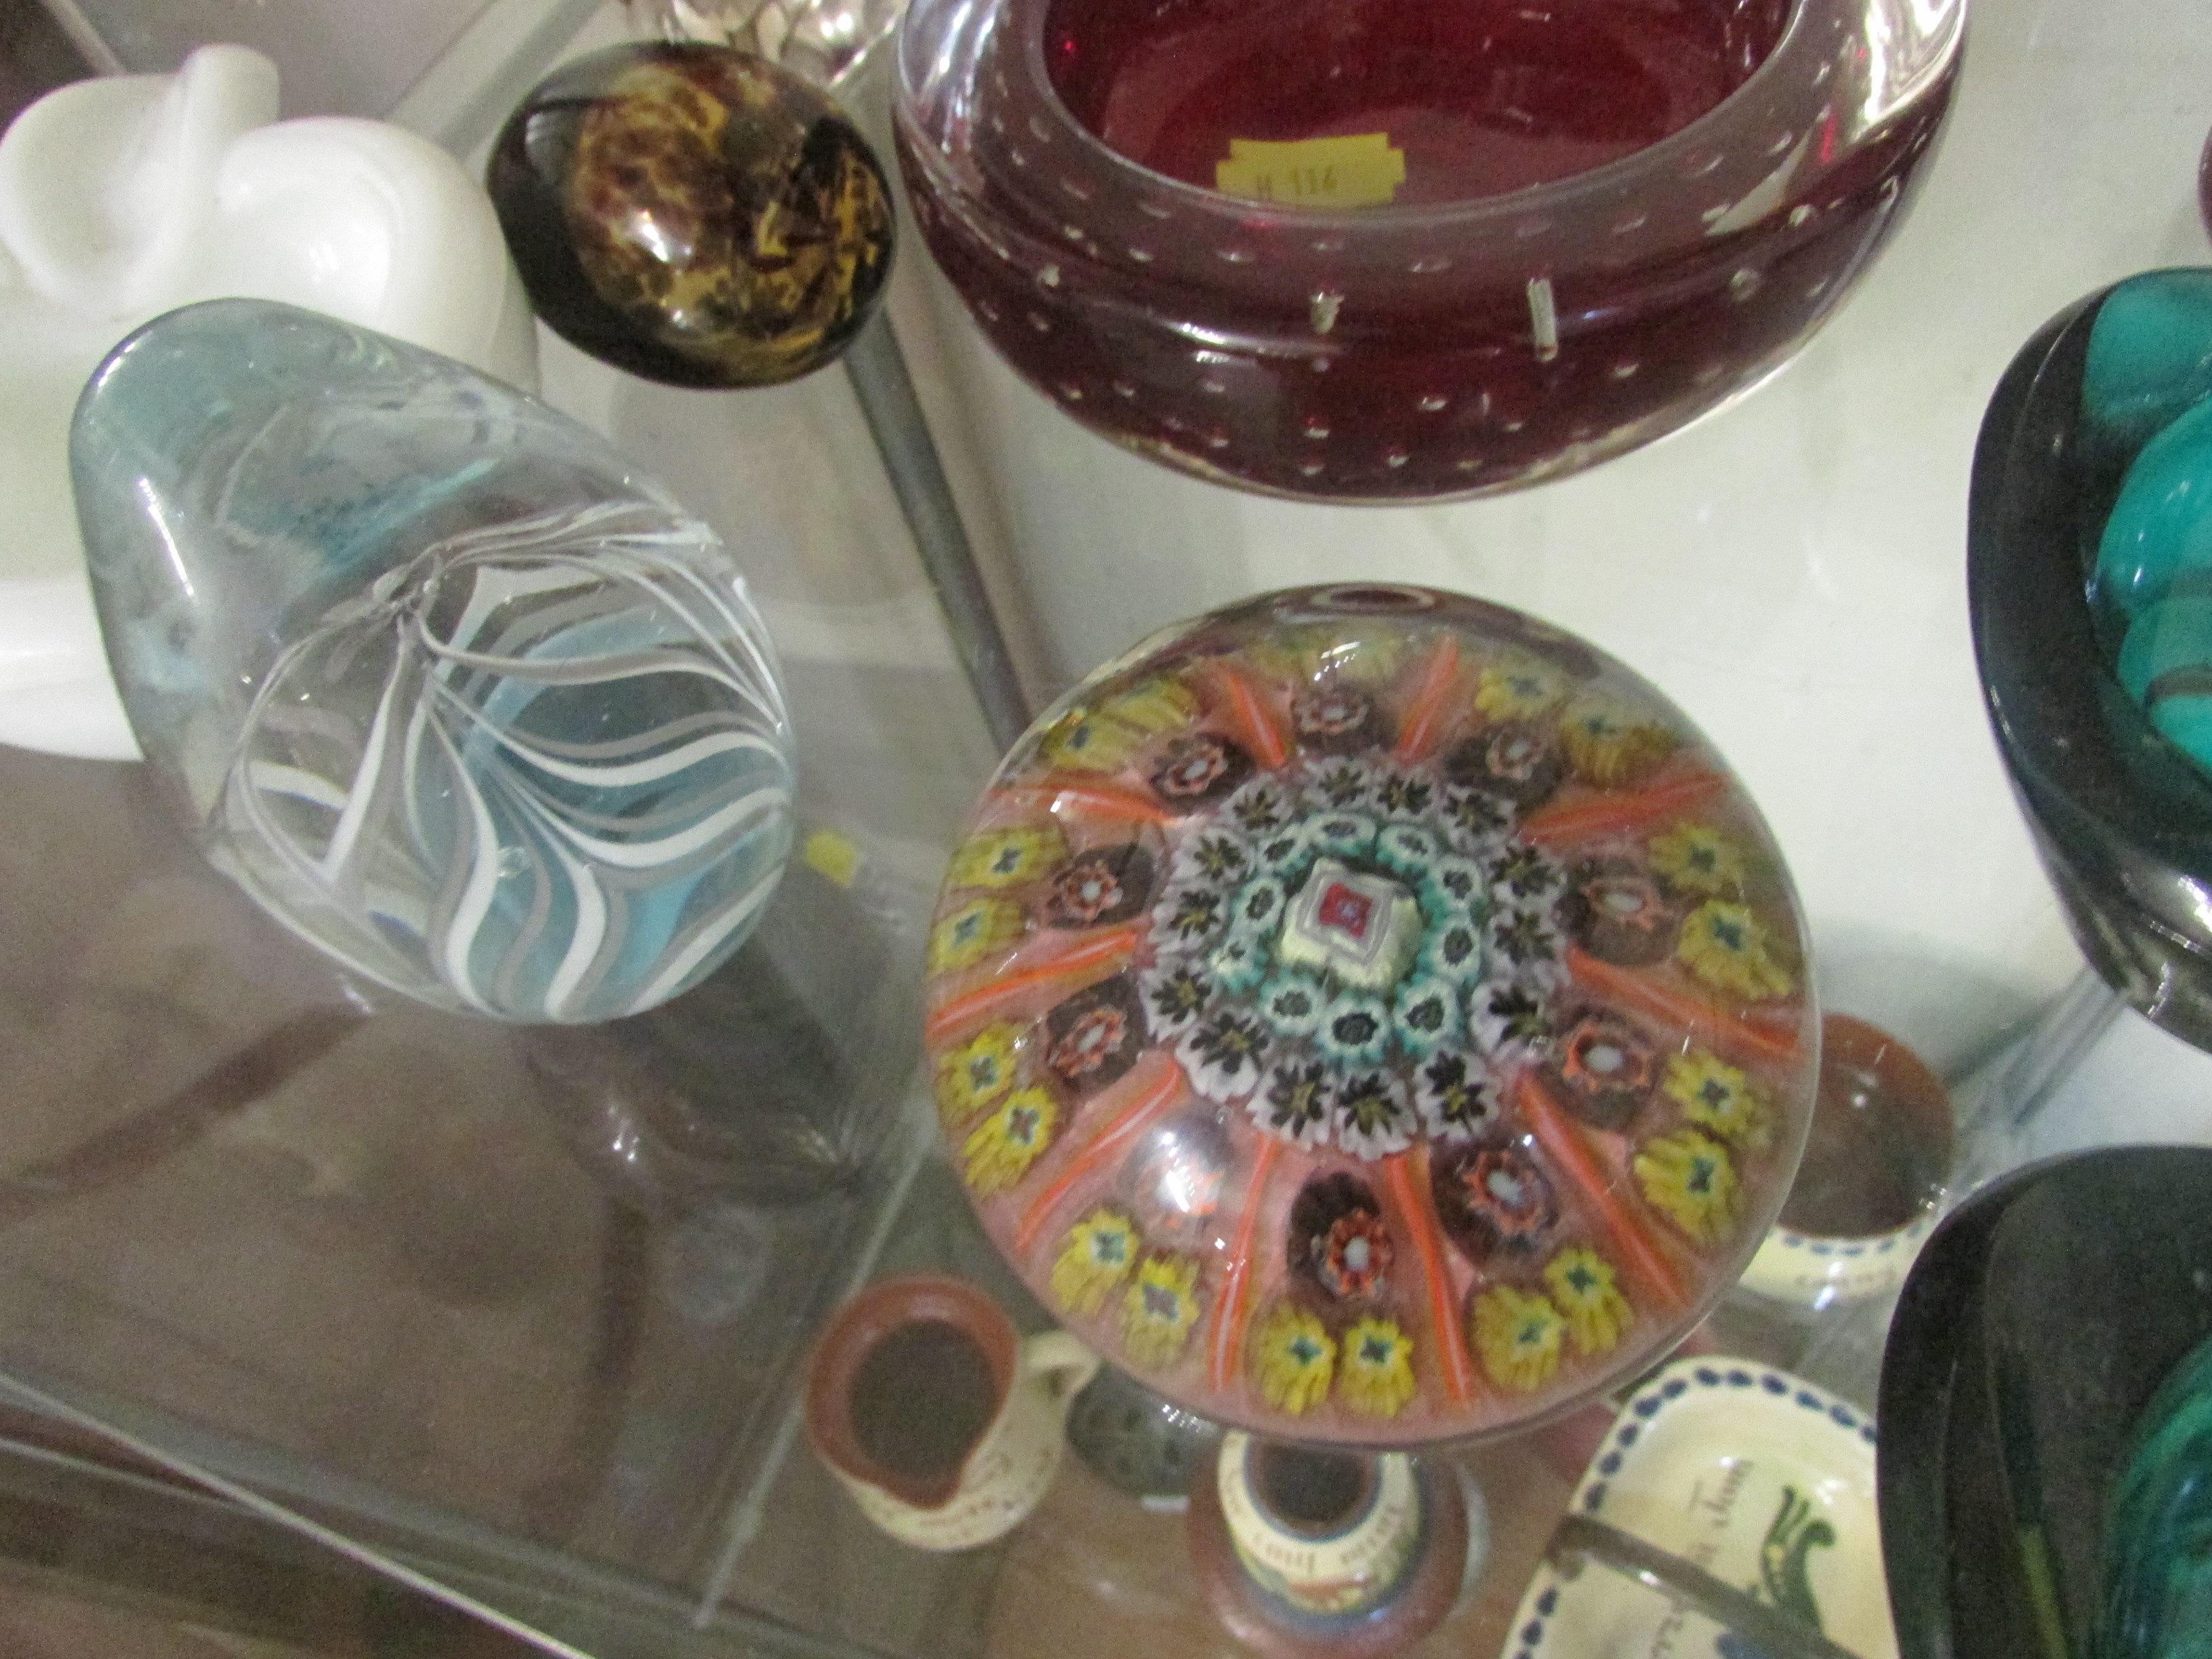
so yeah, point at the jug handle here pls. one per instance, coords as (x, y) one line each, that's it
(1061, 1357)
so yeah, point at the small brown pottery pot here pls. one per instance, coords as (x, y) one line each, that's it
(938, 1416)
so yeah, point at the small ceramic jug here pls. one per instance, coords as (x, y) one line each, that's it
(941, 1419)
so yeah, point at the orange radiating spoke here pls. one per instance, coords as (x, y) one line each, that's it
(1407, 1176)
(1432, 705)
(1152, 1085)
(1090, 951)
(1062, 796)
(1738, 1038)
(1557, 1134)
(1234, 1311)
(1247, 711)
(1616, 814)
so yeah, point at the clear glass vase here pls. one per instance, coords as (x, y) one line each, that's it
(434, 674)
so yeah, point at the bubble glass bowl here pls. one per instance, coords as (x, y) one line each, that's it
(1504, 244)
(1370, 1016)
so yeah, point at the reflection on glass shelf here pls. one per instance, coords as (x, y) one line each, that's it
(348, 1255)
(348, 1261)
(103, 1556)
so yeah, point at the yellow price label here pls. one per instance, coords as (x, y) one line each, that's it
(1361, 171)
(832, 855)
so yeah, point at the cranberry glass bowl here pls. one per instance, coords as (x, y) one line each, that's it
(1504, 242)
(1371, 1016)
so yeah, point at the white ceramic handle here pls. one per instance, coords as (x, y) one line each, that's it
(1057, 1354)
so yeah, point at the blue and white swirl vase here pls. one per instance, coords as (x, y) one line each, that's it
(441, 681)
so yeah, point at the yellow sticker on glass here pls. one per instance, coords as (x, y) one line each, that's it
(832, 855)
(1361, 171)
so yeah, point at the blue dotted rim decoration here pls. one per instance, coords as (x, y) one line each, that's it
(1684, 1378)
(1851, 1249)
(1813, 1270)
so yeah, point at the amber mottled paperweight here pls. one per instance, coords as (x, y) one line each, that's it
(693, 214)
(1369, 1016)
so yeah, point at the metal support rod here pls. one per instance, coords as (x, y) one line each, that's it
(91, 45)
(1997, 1119)
(2081, 1013)
(885, 389)
(1768, 1628)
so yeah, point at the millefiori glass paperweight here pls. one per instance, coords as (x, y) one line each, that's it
(1365, 250)
(1370, 1016)
(437, 677)
(693, 214)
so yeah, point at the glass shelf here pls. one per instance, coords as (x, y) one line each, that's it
(363, 1272)
(371, 1272)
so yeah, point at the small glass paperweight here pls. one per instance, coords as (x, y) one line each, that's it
(694, 215)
